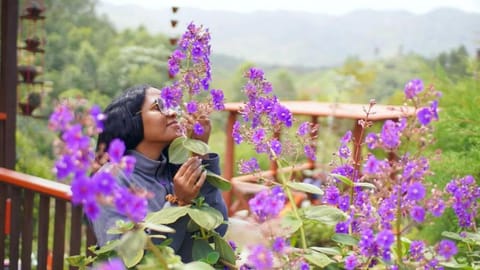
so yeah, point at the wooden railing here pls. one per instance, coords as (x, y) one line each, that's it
(244, 187)
(28, 238)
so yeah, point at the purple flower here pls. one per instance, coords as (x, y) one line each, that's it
(344, 151)
(60, 118)
(217, 99)
(83, 189)
(114, 264)
(433, 265)
(351, 262)
(232, 245)
(64, 166)
(237, 136)
(341, 227)
(304, 266)
(138, 208)
(309, 152)
(345, 170)
(303, 129)
(416, 250)
(387, 209)
(249, 166)
(258, 136)
(437, 207)
(424, 116)
(192, 107)
(276, 146)
(372, 165)
(116, 150)
(344, 202)
(332, 195)
(255, 74)
(132, 206)
(105, 182)
(279, 245)
(91, 208)
(418, 214)
(347, 137)
(261, 258)
(385, 239)
(98, 117)
(128, 164)
(267, 203)
(198, 128)
(447, 249)
(416, 191)
(413, 88)
(390, 135)
(172, 96)
(283, 114)
(371, 140)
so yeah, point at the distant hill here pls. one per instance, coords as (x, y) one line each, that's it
(313, 40)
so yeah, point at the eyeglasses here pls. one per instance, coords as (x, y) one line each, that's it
(159, 105)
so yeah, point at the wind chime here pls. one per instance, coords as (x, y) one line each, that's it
(31, 56)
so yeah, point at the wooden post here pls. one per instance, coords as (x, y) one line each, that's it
(229, 156)
(8, 81)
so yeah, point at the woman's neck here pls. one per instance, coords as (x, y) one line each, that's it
(151, 150)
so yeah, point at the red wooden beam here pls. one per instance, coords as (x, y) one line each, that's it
(52, 188)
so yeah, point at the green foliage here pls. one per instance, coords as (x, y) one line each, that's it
(33, 157)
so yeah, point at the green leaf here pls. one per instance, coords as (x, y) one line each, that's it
(345, 239)
(121, 227)
(224, 249)
(452, 235)
(177, 153)
(305, 187)
(197, 265)
(158, 227)
(470, 238)
(291, 224)
(365, 185)
(344, 179)
(109, 246)
(196, 146)
(167, 215)
(454, 264)
(206, 217)
(325, 214)
(319, 259)
(327, 250)
(131, 247)
(200, 249)
(212, 257)
(80, 261)
(218, 181)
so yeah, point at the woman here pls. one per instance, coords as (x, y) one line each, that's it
(138, 117)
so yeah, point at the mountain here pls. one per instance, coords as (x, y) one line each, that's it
(291, 38)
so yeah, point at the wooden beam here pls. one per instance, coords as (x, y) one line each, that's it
(8, 81)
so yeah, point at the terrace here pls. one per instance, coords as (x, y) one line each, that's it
(32, 208)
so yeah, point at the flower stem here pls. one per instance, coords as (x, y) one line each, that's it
(288, 191)
(399, 228)
(156, 252)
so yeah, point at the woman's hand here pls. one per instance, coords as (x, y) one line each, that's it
(207, 128)
(189, 179)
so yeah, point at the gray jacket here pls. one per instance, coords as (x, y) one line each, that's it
(156, 177)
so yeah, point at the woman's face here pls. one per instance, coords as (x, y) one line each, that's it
(160, 125)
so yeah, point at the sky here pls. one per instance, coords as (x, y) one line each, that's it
(335, 7)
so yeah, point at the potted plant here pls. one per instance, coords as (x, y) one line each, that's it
(34, 100)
